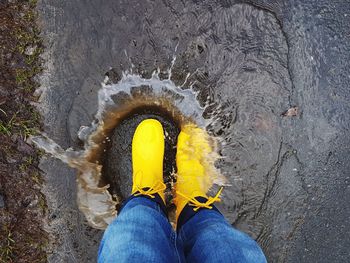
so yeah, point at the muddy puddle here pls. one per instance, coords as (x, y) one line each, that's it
(104, 176)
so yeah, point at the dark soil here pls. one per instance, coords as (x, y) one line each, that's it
(22, 205)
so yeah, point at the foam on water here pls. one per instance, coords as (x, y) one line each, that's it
(115, 102)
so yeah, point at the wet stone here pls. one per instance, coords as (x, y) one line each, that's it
(113, 76)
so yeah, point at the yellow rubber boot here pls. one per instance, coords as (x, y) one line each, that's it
(147, 159)
(193, 179)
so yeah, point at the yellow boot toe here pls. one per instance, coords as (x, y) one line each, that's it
(147, 159)
(193, 180)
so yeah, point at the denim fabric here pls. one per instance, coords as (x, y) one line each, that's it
(142, 233)
(207, 237)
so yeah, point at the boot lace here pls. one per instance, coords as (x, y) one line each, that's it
(192, 201)
(156, 188)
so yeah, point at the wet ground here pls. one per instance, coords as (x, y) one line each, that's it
(289, 170)
(22, 205)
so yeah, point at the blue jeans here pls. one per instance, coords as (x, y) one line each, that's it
(142, 233)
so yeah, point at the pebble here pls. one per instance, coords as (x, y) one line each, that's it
(30, 50)
(24, 147)
(11, 160)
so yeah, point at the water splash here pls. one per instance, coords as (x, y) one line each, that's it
(115, 102)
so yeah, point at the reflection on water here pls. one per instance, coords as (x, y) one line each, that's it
(115, 103)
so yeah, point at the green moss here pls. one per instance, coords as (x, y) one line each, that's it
(4, 129)
(21, 76)
(6, 250)
(36, 177)
(28, 161)
(31, 59)
(29, 45)
(27, 128)
(32, 3)
(42, 203)
(23, 127)
(7, 127)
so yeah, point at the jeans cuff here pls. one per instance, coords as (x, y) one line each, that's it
(188, 212)
(156, 199)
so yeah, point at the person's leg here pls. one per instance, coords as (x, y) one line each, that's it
(204, 232)
(207, 237)
(141, 233)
